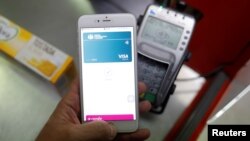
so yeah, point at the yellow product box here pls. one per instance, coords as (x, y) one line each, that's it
(36, 54)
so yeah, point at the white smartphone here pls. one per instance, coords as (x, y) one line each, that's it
(108, 69)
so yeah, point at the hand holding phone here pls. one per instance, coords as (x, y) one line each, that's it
(108, 70)
(64, 124)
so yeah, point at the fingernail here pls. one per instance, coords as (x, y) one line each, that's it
(113, 131)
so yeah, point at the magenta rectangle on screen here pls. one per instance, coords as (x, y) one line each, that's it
(110, 117)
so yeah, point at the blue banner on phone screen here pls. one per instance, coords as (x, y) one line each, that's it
(104, 47)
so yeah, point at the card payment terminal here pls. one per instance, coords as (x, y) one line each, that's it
(162, 43)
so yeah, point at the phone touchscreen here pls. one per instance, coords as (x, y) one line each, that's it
(108, 74)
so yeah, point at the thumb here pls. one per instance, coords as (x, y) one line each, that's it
(96, 131)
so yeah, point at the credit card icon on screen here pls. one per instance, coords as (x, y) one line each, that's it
(103, 47)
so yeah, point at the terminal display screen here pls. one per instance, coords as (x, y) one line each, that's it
(162, 32)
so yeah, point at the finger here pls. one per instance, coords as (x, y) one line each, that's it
(75, 86)
(141, 134)
(72, 98)
(73, 95)
(144, 106)
(95, 131)
(142, 87)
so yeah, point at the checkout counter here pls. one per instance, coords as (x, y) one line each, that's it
(27, 101)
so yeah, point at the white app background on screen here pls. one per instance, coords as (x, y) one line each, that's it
(108, 88)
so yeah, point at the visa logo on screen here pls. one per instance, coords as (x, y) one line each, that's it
(123, 56)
